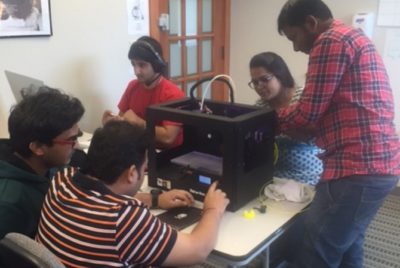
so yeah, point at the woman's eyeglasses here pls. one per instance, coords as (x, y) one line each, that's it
(264, 79)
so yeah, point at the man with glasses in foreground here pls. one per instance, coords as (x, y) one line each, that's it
(43, 132)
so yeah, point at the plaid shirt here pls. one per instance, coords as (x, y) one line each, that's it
(348, 98)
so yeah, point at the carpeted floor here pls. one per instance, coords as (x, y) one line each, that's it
(382, 240)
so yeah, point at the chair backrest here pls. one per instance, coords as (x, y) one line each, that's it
(18, 250)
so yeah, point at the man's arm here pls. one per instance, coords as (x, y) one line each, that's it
(303, 134)
(328, 61)
(195, 247)
(165, 135)
(167, 200)
(108, 115)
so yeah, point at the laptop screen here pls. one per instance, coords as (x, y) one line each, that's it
(22, 85)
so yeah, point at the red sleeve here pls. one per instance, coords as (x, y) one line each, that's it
(171, 92)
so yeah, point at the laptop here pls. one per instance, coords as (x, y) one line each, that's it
(22, 85)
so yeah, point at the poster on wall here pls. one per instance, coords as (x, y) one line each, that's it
(138, 17)
(19, 18)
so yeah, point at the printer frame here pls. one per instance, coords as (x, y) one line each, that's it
(243, 135)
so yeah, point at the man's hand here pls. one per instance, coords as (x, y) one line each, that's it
(108, 115)
(215, 200)
(133, 118)
(304, 134)
(175, 198)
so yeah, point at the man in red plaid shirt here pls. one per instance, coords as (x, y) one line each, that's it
(348, 102)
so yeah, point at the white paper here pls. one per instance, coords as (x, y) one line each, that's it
(138, 17)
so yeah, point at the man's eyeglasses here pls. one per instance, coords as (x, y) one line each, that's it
(264, 79)
(71, 141)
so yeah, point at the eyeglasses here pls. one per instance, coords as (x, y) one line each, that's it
(264, 79)
(71, 141)
(65, 142)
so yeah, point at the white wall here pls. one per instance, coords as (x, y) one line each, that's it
(87, 54)
(86, 57)
(254, 30)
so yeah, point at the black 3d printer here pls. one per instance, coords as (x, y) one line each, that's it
(228, 142)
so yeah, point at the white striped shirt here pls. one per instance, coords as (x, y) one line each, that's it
(86, 225)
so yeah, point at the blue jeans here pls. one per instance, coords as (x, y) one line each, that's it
(337, 219)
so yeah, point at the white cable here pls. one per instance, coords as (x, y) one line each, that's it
(209, 85)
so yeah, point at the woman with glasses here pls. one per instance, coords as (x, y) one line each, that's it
(273, 82)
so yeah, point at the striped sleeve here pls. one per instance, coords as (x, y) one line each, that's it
(76, 230)
(142, 238)
(86, 225)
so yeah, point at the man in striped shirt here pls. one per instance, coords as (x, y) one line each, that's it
(347, 97)
(91, 219)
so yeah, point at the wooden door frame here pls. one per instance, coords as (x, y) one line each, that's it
(221, 24)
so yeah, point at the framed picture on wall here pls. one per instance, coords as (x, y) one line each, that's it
(21, 18)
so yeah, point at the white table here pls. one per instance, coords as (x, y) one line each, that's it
(240, 240)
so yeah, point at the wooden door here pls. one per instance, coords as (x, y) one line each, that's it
(196, 44)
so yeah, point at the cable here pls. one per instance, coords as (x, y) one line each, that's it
(220, 79)
(262, 198)
(209, 85)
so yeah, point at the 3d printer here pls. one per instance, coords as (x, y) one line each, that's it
(231, 143)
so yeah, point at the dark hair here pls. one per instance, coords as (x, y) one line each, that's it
(276, 65)
(295, 12)
(114, 148)
(42, 117)
(149, 50)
